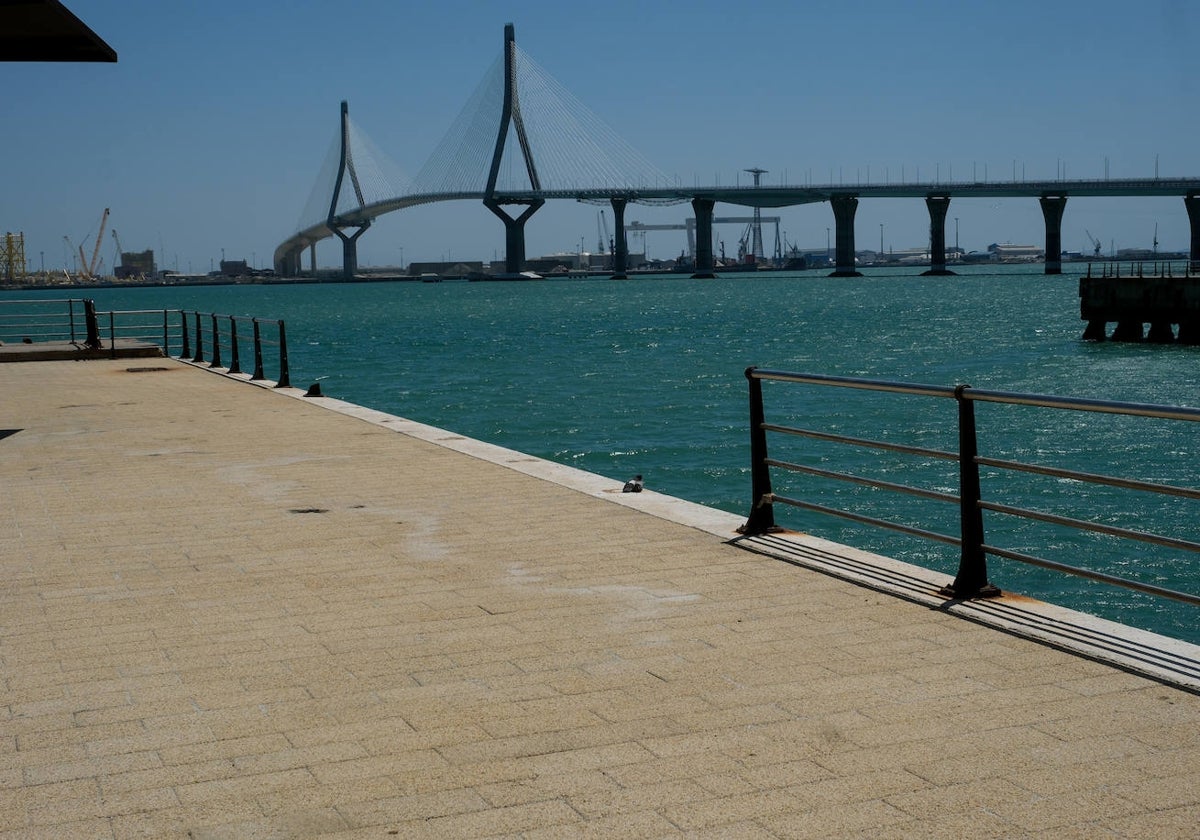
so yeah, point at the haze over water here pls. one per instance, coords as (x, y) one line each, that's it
(646, 376)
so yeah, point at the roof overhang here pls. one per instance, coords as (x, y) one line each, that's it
(46, 30)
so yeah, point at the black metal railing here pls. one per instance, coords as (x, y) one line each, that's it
(972, 577)
(219, 334)
(58, 319)
(195, 336)
(151, 326)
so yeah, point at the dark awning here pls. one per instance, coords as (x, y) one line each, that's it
(46, 30)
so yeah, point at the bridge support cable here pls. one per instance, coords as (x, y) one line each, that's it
(1052, 211)
(705, 267)
(844, 207)
(1192, 202)
(938, 206)
(620, 255)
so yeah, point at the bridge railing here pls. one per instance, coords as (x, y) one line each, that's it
(972, 577)
(50, 319)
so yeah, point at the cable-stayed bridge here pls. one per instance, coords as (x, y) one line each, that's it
(522, 140)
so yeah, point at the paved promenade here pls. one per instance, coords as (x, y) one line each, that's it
(231, 612)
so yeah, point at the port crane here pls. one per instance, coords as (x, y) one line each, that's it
(602, 234)
(1096, 246)
(88, 268)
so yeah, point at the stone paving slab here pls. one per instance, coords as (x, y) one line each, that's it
(227, 612)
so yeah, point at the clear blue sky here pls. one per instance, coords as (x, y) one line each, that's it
(210, 131)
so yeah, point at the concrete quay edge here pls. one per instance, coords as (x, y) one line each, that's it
(1172, 661)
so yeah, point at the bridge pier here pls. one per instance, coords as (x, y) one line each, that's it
(844, 208)
(1192, 202)
(620, 264)
(349, 251)
(1052, 211)
(705, 266)
(514, 233)
(312, 258)
(938, 206)
(288, 265)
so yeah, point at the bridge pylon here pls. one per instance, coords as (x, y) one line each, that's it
(510, 117)
(333, 221)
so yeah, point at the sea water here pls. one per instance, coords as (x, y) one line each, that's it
(646, 376)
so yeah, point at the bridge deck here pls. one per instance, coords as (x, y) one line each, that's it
(231, 612)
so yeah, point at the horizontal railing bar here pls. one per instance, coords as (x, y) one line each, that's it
(873, 444)
(1093, 478)
(22, 324)
(865, 520)
(45, 301)
(1166, 412)
(1148, 588)
(1079, 524)
(1162, 412)
(865, 482)
(850, 382)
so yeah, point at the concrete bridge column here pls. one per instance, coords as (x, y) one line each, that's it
(844, 208)
(514, 233)
(938, 206)
(1052, 211)
(705, 268)
(312, 258)
(620, 264)
(349, 251)
(1192, 202)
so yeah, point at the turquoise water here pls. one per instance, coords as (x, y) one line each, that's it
(646, 376)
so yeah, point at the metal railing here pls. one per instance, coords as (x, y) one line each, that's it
(192, 333)
(152, 326)
(220, 333)
(972, 578)
(57, 319)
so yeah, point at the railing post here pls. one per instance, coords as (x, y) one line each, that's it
(216, 343)
(258, 365)
(762, 510)
(972, 578)
(71, 317)
(285, 380)
(183, 328)
(112, 334)
(234, 363)
(199, 357)
(166, 336)
(93, 328)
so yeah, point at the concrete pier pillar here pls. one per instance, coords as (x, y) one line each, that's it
(705, 268)
(312, 258)
(1192, 203)
(620, 261)
(1052, 211)
(514, 233)
(844, 208)
(1129, 329)
(349, 250)
(938, 206)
